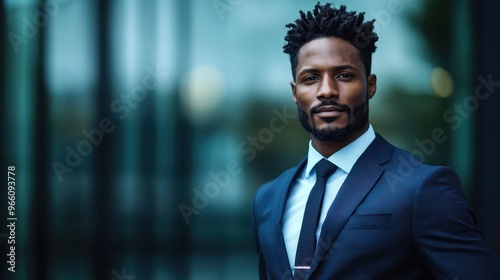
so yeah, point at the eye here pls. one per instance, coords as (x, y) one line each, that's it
(310, 78)
(345, 76)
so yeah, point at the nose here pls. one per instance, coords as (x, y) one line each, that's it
(327, 89)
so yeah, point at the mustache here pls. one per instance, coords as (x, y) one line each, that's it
(344, 107)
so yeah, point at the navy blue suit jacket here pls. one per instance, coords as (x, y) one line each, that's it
(393, 218)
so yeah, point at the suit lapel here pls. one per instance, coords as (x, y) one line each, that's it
(363, 176)
(284, 186)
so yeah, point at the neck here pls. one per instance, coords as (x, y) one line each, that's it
(328, 148)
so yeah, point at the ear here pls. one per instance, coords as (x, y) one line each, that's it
(294, 91)
(372, 85)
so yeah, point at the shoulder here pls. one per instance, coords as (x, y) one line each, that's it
(277, 185)
(402, 167)
(409, 166)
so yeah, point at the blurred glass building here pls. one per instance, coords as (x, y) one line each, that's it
(140, 130)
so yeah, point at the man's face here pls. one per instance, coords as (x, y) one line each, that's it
(331, 90)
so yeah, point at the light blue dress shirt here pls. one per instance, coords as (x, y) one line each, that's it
(344, 159)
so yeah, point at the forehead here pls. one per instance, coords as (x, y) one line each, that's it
(328, 52)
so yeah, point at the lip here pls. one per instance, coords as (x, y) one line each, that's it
(329, 111)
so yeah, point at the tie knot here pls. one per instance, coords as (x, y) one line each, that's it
(324, 168)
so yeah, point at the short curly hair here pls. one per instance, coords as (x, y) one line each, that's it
(326, 21)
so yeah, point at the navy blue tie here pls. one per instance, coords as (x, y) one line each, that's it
(307, 238)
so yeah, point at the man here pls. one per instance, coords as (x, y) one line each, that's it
(357, 207)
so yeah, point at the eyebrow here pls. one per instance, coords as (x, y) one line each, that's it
(336, 68)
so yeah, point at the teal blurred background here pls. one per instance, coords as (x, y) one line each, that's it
(141, 129)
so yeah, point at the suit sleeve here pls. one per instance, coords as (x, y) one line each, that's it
(445, 233)
(262, 264)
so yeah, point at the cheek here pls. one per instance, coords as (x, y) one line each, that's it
(355, 96)
(304, 99)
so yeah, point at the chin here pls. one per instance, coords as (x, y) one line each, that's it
(332, 133)
(331, 126)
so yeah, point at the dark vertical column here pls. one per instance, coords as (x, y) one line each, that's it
(147, 165)
(40, 241)
(4, 161)
(3, 69)
(147, 179)
(102, 249)
(180, 246)
(486, 186)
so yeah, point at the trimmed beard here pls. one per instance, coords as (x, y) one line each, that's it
(359, 115)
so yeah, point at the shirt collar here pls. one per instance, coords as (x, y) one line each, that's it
(344, 158)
